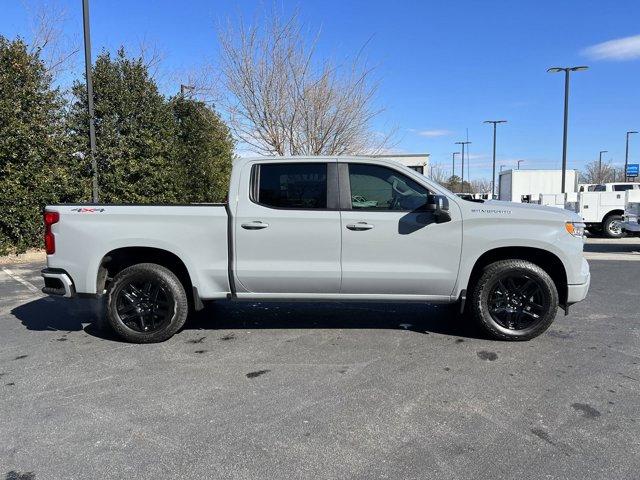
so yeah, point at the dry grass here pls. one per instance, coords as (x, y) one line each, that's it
(30, 256)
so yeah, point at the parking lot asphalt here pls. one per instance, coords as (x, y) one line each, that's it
(310, 390)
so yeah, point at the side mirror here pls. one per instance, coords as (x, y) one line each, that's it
(439, 204)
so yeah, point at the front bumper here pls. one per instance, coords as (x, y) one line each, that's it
(57, 282)
(578, 292)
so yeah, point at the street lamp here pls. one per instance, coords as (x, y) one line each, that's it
(453, 164)
(626, 156)
(462, 177)
(493, 170)
(519, 162)
(600, 165)
(567, 71)
(92, 127)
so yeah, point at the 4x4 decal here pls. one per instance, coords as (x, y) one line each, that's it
(87, 210)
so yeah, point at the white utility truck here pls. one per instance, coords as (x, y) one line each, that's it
(320, 228)
(602, 208)
(631, 218)
(560, 200)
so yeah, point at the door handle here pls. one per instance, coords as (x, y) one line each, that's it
(256, 225)
(360, 226)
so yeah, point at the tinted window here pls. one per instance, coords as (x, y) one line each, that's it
(597, 188)
(292, 185)
(380, 188)
(622, 188)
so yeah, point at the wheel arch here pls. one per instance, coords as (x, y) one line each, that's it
(118, 259)
(617, 211)
(545, 259)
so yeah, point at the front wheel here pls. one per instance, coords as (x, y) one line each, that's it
(146, 303)
(514, 300)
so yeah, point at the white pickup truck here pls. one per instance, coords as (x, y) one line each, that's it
(320, 228)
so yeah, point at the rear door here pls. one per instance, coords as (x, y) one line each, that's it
(287, 228)
(389, 245)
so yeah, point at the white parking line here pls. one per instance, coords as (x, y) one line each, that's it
(30, 286)
(621, 256)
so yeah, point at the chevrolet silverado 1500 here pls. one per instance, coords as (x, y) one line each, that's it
(320, 228)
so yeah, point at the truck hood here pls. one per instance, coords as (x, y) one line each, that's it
(533, 210)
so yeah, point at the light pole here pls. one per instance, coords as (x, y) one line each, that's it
(600, 165)
(567, 71)
(92, 127)
(462, 177)
(493, 171)
(453, 165)
(626, 156)
(519, 162)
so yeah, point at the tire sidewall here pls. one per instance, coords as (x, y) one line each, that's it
(172, 286)
(607, 226)
(483, 289)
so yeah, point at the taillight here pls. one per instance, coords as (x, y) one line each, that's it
(49, 239)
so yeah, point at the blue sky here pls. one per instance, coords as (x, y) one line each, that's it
(444, 67)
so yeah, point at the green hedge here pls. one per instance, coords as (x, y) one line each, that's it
(150, 148)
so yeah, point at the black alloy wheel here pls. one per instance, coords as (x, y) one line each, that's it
(517, 301)
(144, 305)
(514, 299)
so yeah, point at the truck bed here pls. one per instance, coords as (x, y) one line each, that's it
(196, 234)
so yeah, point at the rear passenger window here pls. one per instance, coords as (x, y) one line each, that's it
(622, 188)
(291, 185)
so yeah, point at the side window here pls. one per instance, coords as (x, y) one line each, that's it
(622, 188)
(290, 185)
(379, 188)
(598, 188)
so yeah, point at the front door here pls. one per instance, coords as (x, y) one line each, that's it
(389, 245)
(287, 229)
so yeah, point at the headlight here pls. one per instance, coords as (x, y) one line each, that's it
(575, 228)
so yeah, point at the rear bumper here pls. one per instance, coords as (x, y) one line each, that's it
(57, 282)
(577, 293)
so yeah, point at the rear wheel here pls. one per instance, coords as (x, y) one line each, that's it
(613, 226)
(514, 300)
(146, 303)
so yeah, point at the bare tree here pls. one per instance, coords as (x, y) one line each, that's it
(593, 173)
(437, 173)
(283, 100)
(481, 185)
(48, 38)
(152, 57)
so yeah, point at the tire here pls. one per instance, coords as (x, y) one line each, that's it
(146, 304)
(612, 226)
(514, 316)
